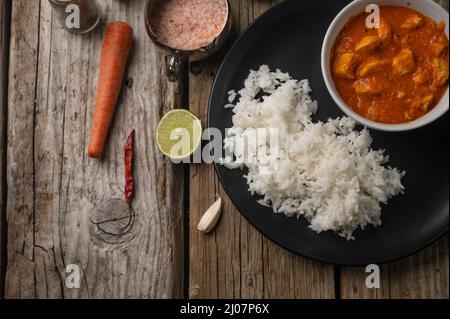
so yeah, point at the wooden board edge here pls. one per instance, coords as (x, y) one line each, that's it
(5, 19)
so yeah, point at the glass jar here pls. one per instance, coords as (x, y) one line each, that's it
(77, 16)
(176, 56)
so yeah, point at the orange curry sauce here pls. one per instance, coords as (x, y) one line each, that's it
(395, 73)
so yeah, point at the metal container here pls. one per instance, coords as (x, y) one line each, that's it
(175, 57)
(67, 10)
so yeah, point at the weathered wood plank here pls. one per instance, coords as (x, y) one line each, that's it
(424, 275)
(236, 261)
(5, 6)
(54, 188)
(20, 171)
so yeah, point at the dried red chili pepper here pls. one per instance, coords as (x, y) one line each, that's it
(129, 180)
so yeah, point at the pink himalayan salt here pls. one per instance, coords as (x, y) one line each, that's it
(188, 24)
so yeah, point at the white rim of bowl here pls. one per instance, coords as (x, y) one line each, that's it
(326, 73)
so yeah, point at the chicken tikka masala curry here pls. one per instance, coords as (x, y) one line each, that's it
(395, 73)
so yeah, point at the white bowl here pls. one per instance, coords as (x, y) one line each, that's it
(426, 7)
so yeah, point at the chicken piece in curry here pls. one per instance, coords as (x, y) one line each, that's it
(395, 73)
(403, 63)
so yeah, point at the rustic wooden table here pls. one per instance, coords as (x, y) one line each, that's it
(50, 188)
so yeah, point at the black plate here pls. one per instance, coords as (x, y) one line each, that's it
(289, 37)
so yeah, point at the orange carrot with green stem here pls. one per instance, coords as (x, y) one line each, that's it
(117, 43)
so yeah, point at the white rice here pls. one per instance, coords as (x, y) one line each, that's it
(232, 96)
(326, 172)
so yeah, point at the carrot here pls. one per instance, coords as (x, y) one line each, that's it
(116, 46)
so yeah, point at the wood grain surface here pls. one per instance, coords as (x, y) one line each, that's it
(56, 198)
(423, 275)
(55, 190)
(4, 54)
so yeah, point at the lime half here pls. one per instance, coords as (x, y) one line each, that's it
(179, 134)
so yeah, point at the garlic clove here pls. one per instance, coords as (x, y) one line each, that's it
(210, 218)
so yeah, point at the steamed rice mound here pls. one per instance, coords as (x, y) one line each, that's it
(326, 172)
